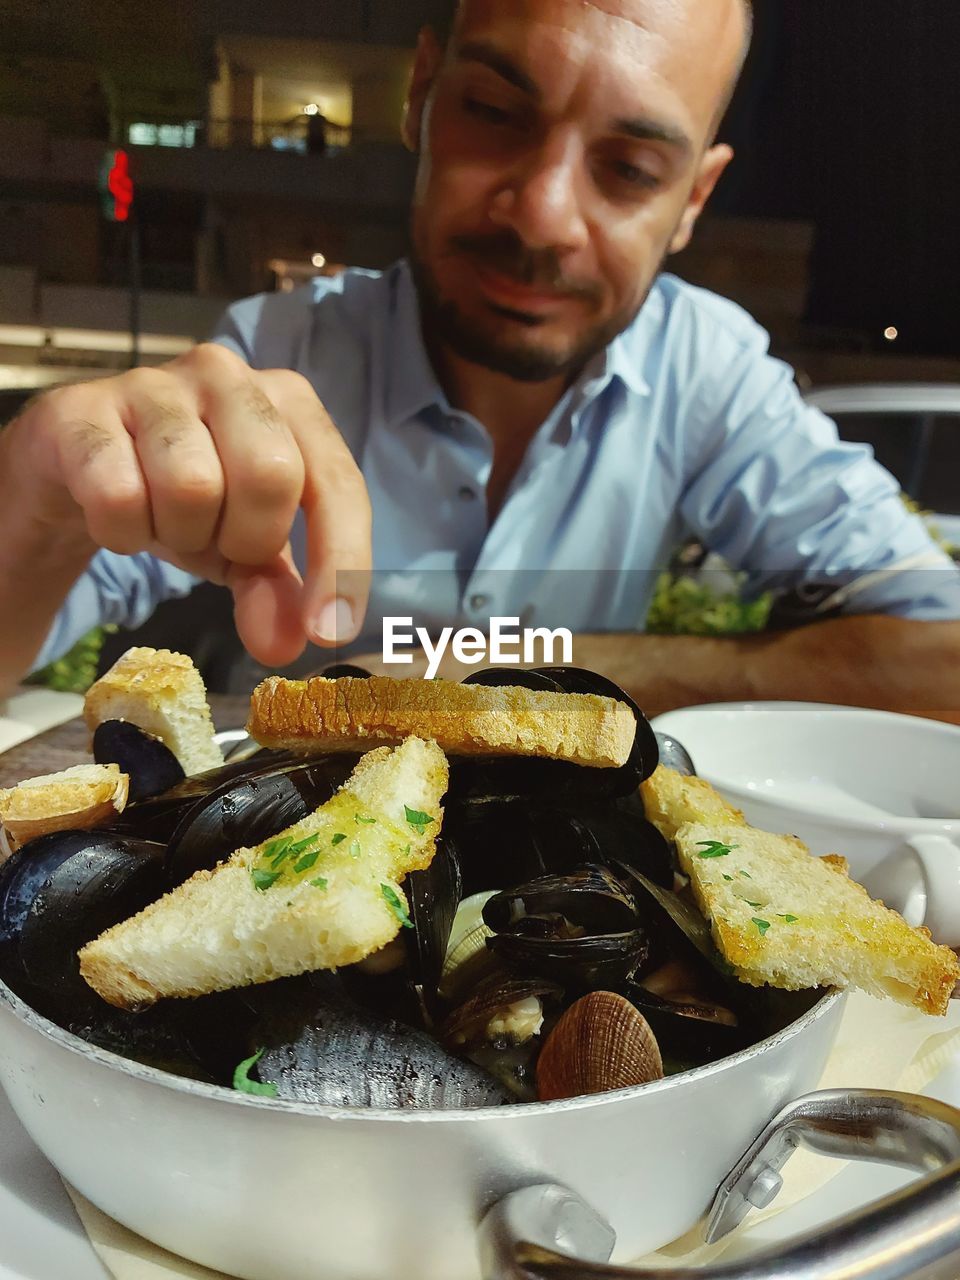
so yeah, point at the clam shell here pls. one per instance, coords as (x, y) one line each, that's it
(601, 1043)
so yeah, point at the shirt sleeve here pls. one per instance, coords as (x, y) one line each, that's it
(779, 495)
(114, 589)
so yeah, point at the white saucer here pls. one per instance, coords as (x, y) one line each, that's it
(41, 1237)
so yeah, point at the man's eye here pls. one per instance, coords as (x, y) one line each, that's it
(634, 176)
(487, 111)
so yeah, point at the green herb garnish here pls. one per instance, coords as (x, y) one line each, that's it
(243, 1083)
(396, 906)
(756, 905)
(789, 919)
(277, 850)
(729, 879)
(762, 925)
(306, 862)
(746, 875)
(262, 880)
(417, 820)
(714, 849)
(319, 883)
(338, 838)
(367, 822)
(354, 850)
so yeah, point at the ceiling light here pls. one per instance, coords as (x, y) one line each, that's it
(891, 334)
(318, 260)
(311, 109)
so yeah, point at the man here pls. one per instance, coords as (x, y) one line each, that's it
(527, 395)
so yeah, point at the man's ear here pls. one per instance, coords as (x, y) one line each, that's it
(425, 67)
(711, 169)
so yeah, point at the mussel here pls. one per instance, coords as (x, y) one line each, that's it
(150, 765)
(581, 930)
(56, 894)
(324, 1048)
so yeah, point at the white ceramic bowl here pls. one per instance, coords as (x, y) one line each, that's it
(878, 788)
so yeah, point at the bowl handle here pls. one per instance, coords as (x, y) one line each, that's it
(939, 859)
(549, 1233)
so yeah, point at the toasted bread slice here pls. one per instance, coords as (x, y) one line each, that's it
(670, 799)
(81, 797)
(350, 714)
(782, 917)
(324, 893)
(785, 918)
(164, 694)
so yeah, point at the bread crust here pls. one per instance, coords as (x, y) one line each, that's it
(352, 714)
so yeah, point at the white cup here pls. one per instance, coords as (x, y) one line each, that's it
(880, 789)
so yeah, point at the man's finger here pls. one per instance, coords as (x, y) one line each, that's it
(338, 516)
(101, 472)
(267, 610)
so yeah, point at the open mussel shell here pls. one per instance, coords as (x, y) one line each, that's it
(325, 1049)
(505, 777)
(600, 1043)
(61, 891)
(241, 813)
(149, 763)
(691, 1031)
(158, 816)
(433, 896)
(581, 930)
(502, 1009)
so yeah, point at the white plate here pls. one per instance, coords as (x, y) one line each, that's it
(41, 1237)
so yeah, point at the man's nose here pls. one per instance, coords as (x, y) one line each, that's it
(542, 197)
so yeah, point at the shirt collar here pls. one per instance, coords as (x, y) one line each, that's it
(411, 384)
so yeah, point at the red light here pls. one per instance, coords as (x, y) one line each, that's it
(120, 186)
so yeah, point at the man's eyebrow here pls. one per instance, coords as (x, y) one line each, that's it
(647, 130)
(490, 56)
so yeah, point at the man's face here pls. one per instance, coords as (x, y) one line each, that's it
(564, 151)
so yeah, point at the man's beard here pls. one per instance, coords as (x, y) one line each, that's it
(445, 325)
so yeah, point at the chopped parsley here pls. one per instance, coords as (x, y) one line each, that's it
(746, 875)
(306, 862)
(354, 850)
(338, 838)
(319, 883)
(303, 845)
(419, 821)
(762, 925)
(789, 919)
(367, 822)
(714, 849)
(729, 879)
(756, 905)
(262, 880)
(396, 906)
(243, 1083)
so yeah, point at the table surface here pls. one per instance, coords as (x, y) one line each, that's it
(69, 744)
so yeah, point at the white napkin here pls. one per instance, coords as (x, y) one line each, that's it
(33, 711)
(880, 1045)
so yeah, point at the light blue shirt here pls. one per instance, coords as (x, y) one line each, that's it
(683, 426)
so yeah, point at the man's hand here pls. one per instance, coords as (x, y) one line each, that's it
(203, 462)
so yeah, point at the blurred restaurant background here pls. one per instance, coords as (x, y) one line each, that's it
(261, 143)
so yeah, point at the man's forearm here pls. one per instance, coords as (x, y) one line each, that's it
(891, 663)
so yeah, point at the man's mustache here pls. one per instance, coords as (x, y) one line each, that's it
(538, 268)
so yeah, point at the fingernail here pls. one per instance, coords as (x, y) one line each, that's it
(334, 622)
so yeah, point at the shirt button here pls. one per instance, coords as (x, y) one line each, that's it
(479, 602)
(466, 493)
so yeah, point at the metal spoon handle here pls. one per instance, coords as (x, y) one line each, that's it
(549, 1233)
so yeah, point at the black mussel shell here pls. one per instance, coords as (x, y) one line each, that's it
(511, 841)
(511, 677)
(245, 812)
(325, 1049)
(150, 764)
(157, 817)
(59, 892)
(645, 755)
(582, 930)
(433, 895)
(674, 755)
(693, 1031)
(341, 669)
(479, 778)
